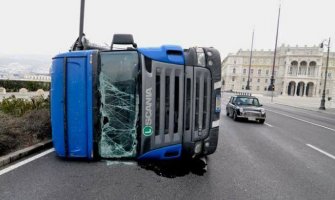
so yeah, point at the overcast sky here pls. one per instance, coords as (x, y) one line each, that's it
(51, 26)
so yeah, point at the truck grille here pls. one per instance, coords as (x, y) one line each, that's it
(168, 104)
(163, 111)
(198, 99)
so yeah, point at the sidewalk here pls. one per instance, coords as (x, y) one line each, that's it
(308, 103)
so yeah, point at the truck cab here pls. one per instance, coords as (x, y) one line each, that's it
(158, 103)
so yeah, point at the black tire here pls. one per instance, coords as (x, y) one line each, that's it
(235, 116)
(227, 112)
(261, 121)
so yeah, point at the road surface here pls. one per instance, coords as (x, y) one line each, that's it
(291, 156)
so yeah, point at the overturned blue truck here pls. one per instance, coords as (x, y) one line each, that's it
(141, 103)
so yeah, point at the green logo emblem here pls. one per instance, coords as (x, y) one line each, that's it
(147, 131)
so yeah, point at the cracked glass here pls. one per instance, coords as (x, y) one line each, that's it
(119, 104)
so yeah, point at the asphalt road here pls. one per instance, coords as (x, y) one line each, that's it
(289, 157)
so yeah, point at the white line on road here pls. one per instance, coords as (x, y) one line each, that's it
(268, 124)
(331, 129)
(321, 151)
(19, 164)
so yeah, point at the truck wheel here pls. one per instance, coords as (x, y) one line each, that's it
(261, 121)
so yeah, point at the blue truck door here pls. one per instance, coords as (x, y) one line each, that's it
(71, 105)
(76, 106)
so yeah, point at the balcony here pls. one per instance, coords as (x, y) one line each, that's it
(302, 75)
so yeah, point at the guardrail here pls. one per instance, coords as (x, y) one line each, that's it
(246, 93)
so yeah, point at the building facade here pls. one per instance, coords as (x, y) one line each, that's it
(26, 77)
(298, 71)
(38, 77)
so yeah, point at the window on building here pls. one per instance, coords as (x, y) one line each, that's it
(243, 79)
(250, 80)
(242, 87)
(265, 88)
(233, 78)
(234, 61)
(267, 72)
(257, 88)
(244, 71)
(234, 71)
(327, 91)
(266, 80)
(259, 72)
(329, 75)
(258, 80)
(251, 71)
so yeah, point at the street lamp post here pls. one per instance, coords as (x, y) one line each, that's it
(323, 99)
(252, 44)
(272, 86)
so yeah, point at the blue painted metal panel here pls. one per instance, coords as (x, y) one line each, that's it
(57, 103)
(163, 153)
(167, 53)
(89, 97)
(79, 104)
(74, 54)
(77, 108)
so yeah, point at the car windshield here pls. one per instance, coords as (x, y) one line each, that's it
(247, 101)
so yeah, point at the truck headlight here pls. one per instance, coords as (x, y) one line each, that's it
(198, 147)
(263, 111)
(241, 110)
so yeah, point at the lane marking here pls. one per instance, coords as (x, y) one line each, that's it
(331, 129)
(303, 111)
(19, 164)
(321, 151)
(268, 124)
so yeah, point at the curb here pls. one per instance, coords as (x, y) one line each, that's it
(10, 158)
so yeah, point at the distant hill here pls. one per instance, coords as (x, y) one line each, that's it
(25, 64)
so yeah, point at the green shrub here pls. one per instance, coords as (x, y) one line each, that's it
(17, 106)
(15, 86)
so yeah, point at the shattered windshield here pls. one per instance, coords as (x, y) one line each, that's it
(119, 104)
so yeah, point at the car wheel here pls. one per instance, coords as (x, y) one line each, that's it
(235, 116)
(261, 121)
